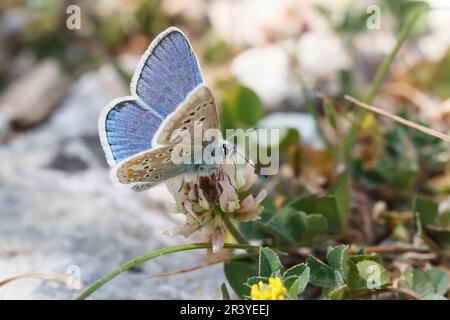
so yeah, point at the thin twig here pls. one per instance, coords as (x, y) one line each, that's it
(199, 266)
(388, 249)
(45, 275)
(398, 119)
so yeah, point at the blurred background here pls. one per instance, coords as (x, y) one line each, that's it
(58, 209)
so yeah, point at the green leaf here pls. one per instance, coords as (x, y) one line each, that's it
(330, 113)
(269, 263)
(297, 284)
(427, 210)
(304, 204)
(327, 206)
(321, 274)
(255, 280)
(336, 293)
(439, 279)
(366, 274)
(288, 137)
(225, 294)
(337, 258)
(303, 227)
(373, 273)
(439, 236)
(267, 227)
(418, 281)
(237, 273)
(341, 192)
(242, 108)
(295, 271)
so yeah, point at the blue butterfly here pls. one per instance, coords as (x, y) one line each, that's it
(138, 133)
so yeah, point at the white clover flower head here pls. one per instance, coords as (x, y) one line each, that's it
(205, 197)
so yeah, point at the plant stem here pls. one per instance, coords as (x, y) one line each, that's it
(384, 67)
(233, 230)
(151, 255)
(378, 78)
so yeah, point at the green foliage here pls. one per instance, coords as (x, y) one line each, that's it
(237, 274)
(269, 263)
(430, 225)
(241, 108)
(434, 76)
(431, 284)
(225, 294)
(396, 169)
(215, 49)
(295, 279)
(347, 275)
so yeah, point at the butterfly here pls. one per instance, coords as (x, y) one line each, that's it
(139, 133)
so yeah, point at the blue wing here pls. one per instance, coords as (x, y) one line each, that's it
(126, 128)
(167, 72)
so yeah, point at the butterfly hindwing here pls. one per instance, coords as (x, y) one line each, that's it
(150, 167)
(167, 72)
(126, 128)
(199, 109)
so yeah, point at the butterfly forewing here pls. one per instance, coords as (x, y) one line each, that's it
(197, 111)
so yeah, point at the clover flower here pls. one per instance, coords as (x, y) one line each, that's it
(274, 290)
(207, 199)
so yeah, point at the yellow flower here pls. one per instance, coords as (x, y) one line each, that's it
(274, 290)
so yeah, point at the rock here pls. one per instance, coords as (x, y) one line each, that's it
(304, 123)
(32, 98)
(313, 50)
(60, 211)
(257, 22)
(268, 72)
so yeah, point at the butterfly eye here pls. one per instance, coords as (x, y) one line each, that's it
(184, 128)
(159, 155)
(187, 121)
(192, 113)
(201, 119)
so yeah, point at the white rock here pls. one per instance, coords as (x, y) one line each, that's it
(304, 123)
(320, 57)
(267, 71)
(257, 22)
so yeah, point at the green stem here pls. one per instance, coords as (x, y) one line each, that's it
(385, 65)
(151, 255)
(378, 80)
(232, 228)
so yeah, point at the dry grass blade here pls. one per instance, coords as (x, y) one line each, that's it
(185, 270)
(49, 276)
(199, 266)
(398, 119)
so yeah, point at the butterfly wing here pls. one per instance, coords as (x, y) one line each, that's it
(199, 108)
(167, 72)
(149, 168)
(126, 128)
